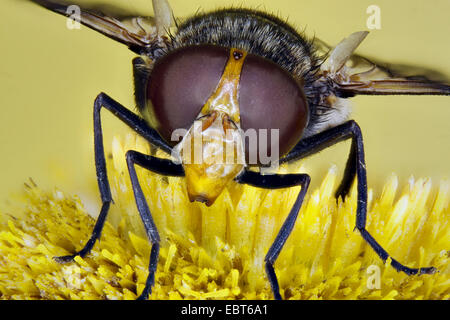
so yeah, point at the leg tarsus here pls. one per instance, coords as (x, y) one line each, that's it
(394, 263)
(411, 271)
(96, 233)
(342, 191)
(273, 280)
(151, 273)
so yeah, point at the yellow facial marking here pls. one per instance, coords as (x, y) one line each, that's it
(225, 98)
(212, 152)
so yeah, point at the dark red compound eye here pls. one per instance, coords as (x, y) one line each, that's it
(270, 98)
(181, 83)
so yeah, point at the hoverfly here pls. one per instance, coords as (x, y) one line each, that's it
(230, 71)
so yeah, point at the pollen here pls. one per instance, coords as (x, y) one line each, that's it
(218, 252)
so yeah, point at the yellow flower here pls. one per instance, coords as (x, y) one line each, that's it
(217, 252)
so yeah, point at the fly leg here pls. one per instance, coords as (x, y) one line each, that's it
(356, 166)
(277, 182)
(161, 166)
(137, 124)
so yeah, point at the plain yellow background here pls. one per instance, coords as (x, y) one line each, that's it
(50, 76)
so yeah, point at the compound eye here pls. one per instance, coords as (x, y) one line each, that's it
(270, 99)
(181, 83)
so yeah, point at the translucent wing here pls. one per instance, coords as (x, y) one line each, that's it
(352, 74)
(138, 33)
